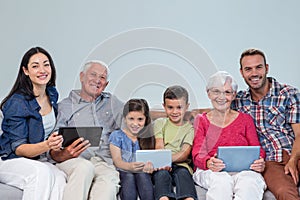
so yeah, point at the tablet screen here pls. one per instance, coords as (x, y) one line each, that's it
(159, 157)
(238, 158)
(70, 134)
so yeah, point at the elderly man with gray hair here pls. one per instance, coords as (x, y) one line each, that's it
(90, 170)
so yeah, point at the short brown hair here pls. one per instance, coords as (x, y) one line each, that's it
(176, 92)
(252, 52)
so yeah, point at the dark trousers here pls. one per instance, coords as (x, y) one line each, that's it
(279, 183)
(179, 177)
(134, 185)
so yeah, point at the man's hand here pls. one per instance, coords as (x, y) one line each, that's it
(291, 168)
(76, 148)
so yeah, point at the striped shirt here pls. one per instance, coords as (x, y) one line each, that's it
(273, 116)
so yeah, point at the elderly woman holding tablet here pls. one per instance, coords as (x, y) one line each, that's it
(223, 126)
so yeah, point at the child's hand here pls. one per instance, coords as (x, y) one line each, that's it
(136, 166)
(148, 168)
(168, 168)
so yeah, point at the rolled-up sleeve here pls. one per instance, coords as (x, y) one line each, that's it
(14, 126)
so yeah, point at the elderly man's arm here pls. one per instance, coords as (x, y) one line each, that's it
(291, 166)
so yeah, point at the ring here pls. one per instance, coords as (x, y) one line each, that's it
(212, 163)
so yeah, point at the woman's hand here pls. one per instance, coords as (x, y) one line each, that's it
(54, 141)
(258, 165)
(215, 164)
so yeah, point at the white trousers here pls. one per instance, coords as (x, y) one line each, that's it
(245, 185)
(90, 179)
(38, 180)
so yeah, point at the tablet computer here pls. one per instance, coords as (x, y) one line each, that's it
(238, 158)
(91, 133)
(159, 157)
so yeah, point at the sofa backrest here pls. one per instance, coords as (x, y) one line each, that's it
(189, 115)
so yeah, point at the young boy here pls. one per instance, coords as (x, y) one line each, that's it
(177, 135)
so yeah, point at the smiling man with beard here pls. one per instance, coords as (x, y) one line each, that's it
(275, 108)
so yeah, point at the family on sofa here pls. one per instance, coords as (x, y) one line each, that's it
(266, 115)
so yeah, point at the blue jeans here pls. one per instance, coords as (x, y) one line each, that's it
(134, 184)
(179, 177)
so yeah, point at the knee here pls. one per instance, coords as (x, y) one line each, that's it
(41, 173)
(222, 178)
(162, 175)
(182, 172)
(251, 178)
(42, 170)
(126, 176)
(285, 192)
(60, 178)
(84, 166)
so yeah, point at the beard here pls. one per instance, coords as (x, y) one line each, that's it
(261, 84)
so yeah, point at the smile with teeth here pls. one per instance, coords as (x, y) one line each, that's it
(96, 86)
(254, 79)
(135, 128)
(221, 102)
(43, 76)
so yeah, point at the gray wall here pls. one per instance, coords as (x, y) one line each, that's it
(150, 45)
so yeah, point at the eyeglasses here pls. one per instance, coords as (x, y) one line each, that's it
(216, 92)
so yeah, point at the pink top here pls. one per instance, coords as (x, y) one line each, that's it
(240, 132)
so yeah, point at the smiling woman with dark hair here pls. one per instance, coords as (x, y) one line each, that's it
(29, 117)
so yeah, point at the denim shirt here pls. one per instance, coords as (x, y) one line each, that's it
(22, 122)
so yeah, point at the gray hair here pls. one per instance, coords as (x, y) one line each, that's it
(219, 79)
(89, 63)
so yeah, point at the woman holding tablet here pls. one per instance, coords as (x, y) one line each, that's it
(223, 126)
(29, 112)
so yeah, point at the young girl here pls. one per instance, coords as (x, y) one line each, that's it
(136, 134)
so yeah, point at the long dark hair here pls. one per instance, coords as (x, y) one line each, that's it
(23, 83)
(146, 135)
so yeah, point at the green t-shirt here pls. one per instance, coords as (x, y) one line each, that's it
(174, 136)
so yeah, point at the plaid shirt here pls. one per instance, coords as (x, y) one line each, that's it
(273, 116)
